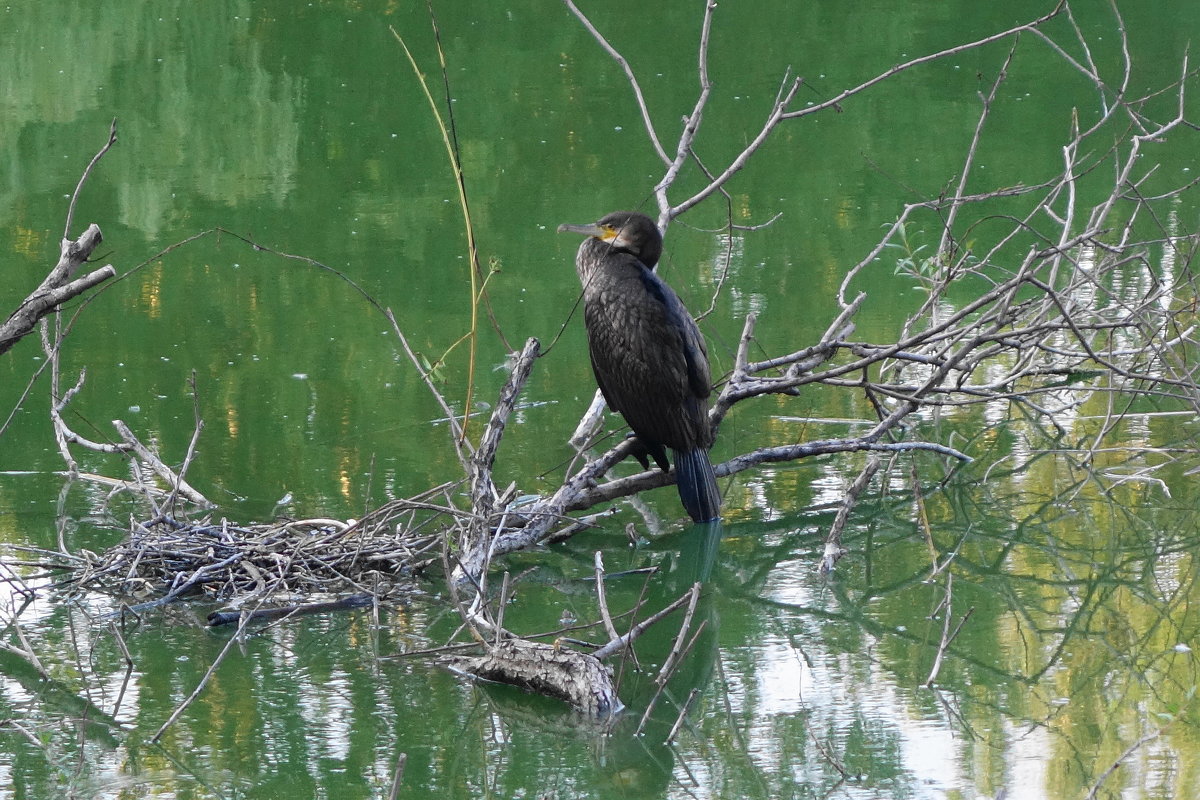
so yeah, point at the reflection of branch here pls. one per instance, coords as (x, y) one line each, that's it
(602, 599)
(678, 651)
(1144, 740)
(833, 540)
(234, 639)
(948, 636)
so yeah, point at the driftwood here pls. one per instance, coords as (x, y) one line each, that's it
(580, 680)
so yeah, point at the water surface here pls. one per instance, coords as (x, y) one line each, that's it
(304, 129)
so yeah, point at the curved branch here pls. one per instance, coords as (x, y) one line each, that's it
(112, 139)
(633, 81)
(925, 59)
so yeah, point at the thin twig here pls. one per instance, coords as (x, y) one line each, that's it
(605, 615)
(633, 82)
(112, 139)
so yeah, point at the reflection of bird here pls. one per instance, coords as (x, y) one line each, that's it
(647, 353)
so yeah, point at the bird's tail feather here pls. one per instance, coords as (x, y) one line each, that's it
(697, 484)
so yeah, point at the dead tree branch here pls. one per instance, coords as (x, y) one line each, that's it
(128, 444)
(60, 285)
(780, 109)
(57, 288)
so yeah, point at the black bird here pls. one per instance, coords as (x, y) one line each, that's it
(647, 353)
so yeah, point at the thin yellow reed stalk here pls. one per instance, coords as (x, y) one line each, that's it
(472, 248)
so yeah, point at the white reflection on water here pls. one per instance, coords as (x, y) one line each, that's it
(839, 693)
(1025, 772)
(328, 715)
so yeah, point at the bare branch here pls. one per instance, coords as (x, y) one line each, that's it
(483, 490)
(57, 288)
(907, 65)
(633, 82)
(691, 123)
(616, 645)
(776, 115)
(112, 139)
(145, 455)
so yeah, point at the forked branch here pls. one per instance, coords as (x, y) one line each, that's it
(60, 285)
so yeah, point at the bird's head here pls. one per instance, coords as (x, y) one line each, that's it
(630, 231)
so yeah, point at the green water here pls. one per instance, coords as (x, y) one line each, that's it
(303, 128)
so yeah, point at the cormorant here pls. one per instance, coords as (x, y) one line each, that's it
(647, 353)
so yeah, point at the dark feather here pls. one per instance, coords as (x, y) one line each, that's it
(648, 356)
(697, 485)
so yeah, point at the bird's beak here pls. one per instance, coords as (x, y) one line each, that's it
(591, 229)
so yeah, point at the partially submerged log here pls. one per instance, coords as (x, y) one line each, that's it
(579, 679)
(360, 600)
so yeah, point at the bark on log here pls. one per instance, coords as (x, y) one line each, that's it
(579, 679)
(57, 288)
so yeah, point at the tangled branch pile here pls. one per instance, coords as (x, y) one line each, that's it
(171, 557)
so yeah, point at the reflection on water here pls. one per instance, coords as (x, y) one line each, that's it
(1077, 648)
(1052, 595)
